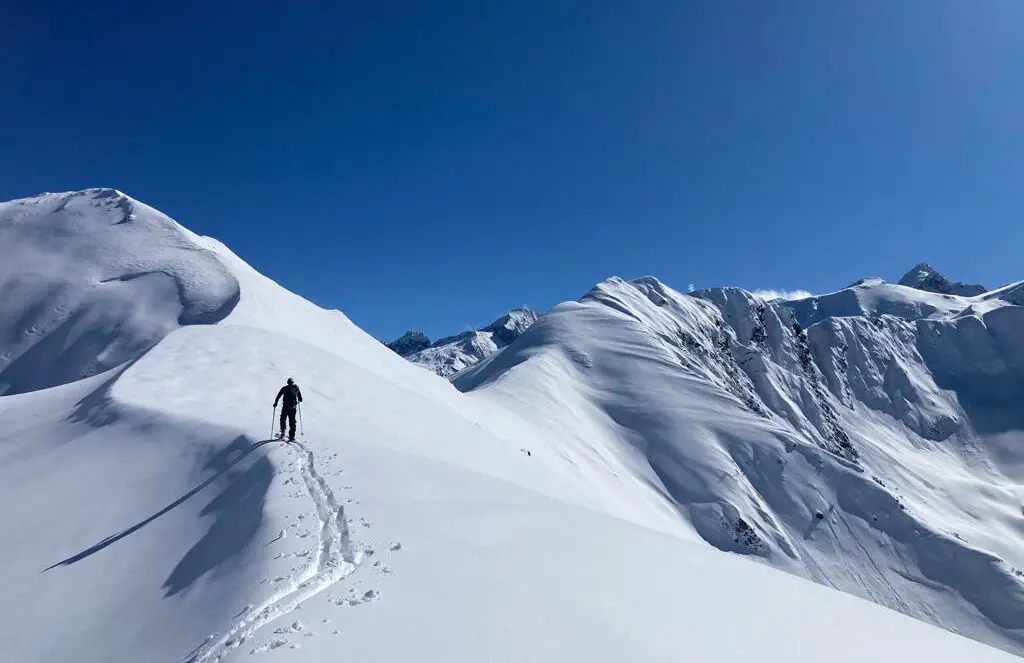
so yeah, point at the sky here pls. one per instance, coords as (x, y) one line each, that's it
(428, 165)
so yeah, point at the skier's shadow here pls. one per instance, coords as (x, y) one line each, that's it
(220, 462)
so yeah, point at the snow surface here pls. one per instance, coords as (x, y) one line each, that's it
(452, 354)
(149, 516)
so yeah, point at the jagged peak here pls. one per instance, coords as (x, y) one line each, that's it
(923, 276)
(409, 343)
(918, 273)
(449, 355)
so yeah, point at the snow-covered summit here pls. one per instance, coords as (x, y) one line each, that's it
(451, 354)
(91, 279)
(925, 277)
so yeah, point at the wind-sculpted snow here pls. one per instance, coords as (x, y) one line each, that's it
(91, 279)
(847, 438)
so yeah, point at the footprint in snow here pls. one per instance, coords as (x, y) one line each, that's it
(276, 643)
(355, 598)
(295, 627)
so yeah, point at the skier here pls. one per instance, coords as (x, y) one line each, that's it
(292, 397)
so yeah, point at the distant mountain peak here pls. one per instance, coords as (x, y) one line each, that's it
(918, 273)
(510, 326)
(449, 355)
(409, 343)
(925, 277)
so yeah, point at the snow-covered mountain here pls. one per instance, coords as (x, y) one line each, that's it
(870, 439)
(925, 277)
(451, 354)
(558, 508)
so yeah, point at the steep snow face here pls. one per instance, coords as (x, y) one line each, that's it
(447, 356)
(91, 279)
(870, 439)
(925, 277)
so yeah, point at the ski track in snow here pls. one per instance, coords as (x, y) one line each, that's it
(335, 560)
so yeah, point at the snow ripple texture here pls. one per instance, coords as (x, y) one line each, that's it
(334, 561)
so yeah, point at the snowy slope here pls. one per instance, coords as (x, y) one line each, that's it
(148, 516)
(447, 356)
(868, 439)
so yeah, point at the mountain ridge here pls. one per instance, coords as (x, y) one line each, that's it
(854, 382)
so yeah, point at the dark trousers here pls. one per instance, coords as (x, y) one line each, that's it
(288, 414)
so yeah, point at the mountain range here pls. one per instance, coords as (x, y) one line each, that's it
(451, 354)
(636, 474)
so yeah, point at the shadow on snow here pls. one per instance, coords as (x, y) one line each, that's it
(238, 508)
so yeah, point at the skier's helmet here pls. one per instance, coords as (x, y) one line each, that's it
(291, 381)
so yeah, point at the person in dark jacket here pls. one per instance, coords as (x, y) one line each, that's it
(291, 397)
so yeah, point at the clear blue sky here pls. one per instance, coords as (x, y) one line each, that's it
(429, 164)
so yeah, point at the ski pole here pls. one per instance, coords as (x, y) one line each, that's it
(301, 432)
(273, 416)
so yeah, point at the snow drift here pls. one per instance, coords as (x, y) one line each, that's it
(558, 511)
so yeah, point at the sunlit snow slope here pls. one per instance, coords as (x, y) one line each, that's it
(148, 516)
(871, 439)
